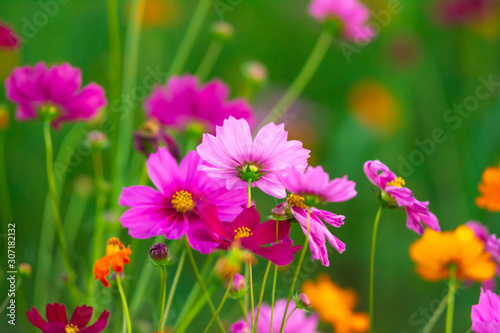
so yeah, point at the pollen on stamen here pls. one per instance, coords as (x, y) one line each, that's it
(296, 200)
(242, 232)
(399, 182)
(71, 328)
(182, 201)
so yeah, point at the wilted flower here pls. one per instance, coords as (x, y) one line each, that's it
(308, 190)
(436, 252)
(490, 190)
(232, 155)
(174, 209)
(57, 320)
(394, 194)
(8, 37)
(326, 296)
(56, 91)
(151, 136)
(351, 14)
(486, 314)
(183, 102)
(117, 256)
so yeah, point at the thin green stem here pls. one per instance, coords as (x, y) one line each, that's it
(196, 308)
(290, 314)
(435, 316)
(252, 305)
(301, 81)
(451, 299)
(124, 302)
(192, 33)
(174, 287)
(299, 265)
(262, 294)
(5, 209)
(372, 264)
(274, 281)
(202, 286)
(249, 193)
(163, 296)
(220, 305)
(71, 278)
(242, 306)
(208, 61)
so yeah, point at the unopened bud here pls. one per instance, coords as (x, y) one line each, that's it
(222, 32)
(255, 72)
(97, 139)
(302, 301)
(24, 270)
(159, 254)
(238, 286)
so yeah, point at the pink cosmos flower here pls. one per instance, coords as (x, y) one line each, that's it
(351, 14)
(491, 245)
(486, 315)
(233, 156)
(461, 12)
(57, 321)
(394, 193)
(183, 101)
(174, 209)
(308, 189)
(298, 321)
(32, 88)
(247, 232)
(8, 37)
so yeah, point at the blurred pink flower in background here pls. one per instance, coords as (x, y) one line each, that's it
(8, 37)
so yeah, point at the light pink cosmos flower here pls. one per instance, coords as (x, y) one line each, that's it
(491, 245)
(8, 37)
(394, 192)
(308, 189)
(486, 314)
(175, 208)
(183, 101)
(351, 14)
(232, 155)
(298, 321)
(59, 86)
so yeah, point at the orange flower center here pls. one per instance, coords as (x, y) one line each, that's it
(242, 232)
(71, 328)
(182, 201)
(399, 182)
(296, 200)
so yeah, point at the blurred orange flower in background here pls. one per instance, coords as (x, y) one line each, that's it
(435, 252)
(117, 256)
(159, 13)
(374, 106)
(336, 305)
(490, 190)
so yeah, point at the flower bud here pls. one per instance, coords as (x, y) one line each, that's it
(226, 267)
(302, 301)
(97, 139)
(222, 32)
(240, 327)
(24, 270)
(159, 254)
(84, 185)
(4, 117)
(238, 286)
(255, 72)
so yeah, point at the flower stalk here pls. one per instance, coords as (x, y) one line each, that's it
(173, 289)
(451, 299)
(372, 264)
(124, 302)
(220, 305)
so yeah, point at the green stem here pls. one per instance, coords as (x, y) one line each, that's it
(249, 193)
(262, 294)
(290, 314)
(192, 33)
(209, 60)
(301, 259)
(196, 308)
(124, 302)
(252, 306)
(202, 286)
(100, 204)
(5, 209)
(451, 299)
(75, 292)
(372, 264)
(174, 287)
(163, 296)
(435, 316)
(242, 306)
(274, 281)
(220, 305)
(305, 75)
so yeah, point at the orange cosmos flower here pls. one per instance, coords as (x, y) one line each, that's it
(336, 305)
(490, 190)
(117, 255)
(435, 252)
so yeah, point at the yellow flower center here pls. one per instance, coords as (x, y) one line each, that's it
(399, 182)
(242, 232)
(296, 200)
(182, 201)
(71, 328)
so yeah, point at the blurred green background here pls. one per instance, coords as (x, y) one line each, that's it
(374, 105)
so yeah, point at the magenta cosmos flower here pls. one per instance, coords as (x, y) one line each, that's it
(486, 315)
(183, 101)
(298, 321)
(233, 156)
(8, 37)
(174, 209)
(491, 245)
(58, 87)
(396, 195)
(309, 189)
(57, 321)
(351, 14)
(247, 232)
